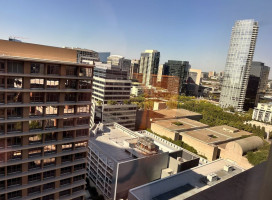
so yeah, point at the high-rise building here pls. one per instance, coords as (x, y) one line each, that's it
(134, 68)
(120, 62)
(149, 64)
(103, 56)
(238, 65)
(257, 84)
(45, 100)
(86, 56)
(111, 94)
(179, 69)
(193, 82)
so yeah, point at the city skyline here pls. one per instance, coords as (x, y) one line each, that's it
(195, 31)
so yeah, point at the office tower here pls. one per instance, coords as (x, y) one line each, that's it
(238, 65)
(193, 82)
(179, 69)
(149, 64)
(134, 68)
(111, 97)
(103, 56)
(120, 62)
(45, 100)
(257, 84)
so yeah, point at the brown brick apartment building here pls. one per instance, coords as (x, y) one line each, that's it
(44, 122)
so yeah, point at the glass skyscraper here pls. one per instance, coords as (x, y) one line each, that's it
(238, 65)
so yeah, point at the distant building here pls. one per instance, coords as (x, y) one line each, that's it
(193, 82)
(204, 75)
(238, 65)
(120, 62)
(135, 67)
(149, 64)
(211, 74)
(103, 56)
(263, 112)
(257, 84)
(136, 89)
(120, 159)
(178, 69)
(188, 183)
(85, 56)
(111, 88)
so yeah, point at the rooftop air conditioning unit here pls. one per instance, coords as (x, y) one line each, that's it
(228, 168)
(212, 177)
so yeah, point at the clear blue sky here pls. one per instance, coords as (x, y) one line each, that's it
(194, 30)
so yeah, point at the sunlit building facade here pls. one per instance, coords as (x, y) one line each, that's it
(238, 64)
(44, 123)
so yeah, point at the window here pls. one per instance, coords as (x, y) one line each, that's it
(49, 149)
(83, 109)
(49, 174)
(35, 164)
(53, 69)
(2, 185)
(68, 158)
(79, 178)
(14, 182)
(14, 155)
(50, 123)
(2, 81)
(2, 97)
(85, 72)
(35, 125)
(51, 110)
(52, 97)
(14, 97)
(2, 113)
(83, 121)
(15, 194)
(14, 169)
(2, 66)
(14, 127)
(36, 68)
(80, 144)
(65, 181)
(79, 167)
(36, 111)
(80, 155)
(82, 132)
(69, 109)
(14, 112)
(68, 134)
(14, 82)
(66, 170)
(36, 189)
(70, 97)
(50, 137)
(49, 186)
(66, 147)
(2, 143)
(15, 67)
(79, 188)
(14, 141)
(36, 83)
(2, 128)
(84, 97)
(35, 152)
(71, 84)
(64, 193)
(68, 122)
(49, 162)
(34, 177)
(52, 83)
(35, 139)
(71, 71)
(85, 84)
(36, 97)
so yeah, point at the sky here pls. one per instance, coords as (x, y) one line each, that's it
(197, 31)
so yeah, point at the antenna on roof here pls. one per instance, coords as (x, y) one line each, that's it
(16, 38)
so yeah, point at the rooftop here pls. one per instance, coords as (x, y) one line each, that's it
(174, 113)
(216, 134)
(180, 125)
(187, 183)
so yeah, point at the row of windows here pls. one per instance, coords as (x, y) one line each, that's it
(40, 151)
(41, 163)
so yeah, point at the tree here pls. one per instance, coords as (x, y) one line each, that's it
(110, 102)
(127, 102)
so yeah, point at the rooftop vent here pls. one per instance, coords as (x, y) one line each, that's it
(228, 168)
(212, 177)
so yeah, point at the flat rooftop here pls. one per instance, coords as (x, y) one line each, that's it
(187, 183)
(180, 125)
(174, 113)
(111, 142)
(216, 134)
